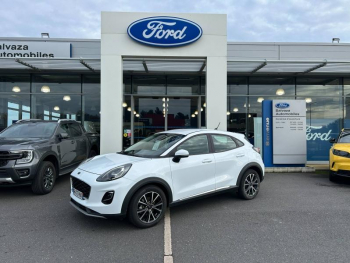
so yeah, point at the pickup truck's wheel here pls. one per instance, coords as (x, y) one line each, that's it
(249, 186)
(92, 153)
(45, 179)
(147, 206)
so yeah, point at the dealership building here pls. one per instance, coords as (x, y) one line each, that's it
(156, 72)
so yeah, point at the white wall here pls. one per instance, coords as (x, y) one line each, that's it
(116, 44)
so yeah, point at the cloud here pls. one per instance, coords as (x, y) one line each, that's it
(248, 20)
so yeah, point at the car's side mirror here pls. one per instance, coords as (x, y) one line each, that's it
(180, 154)
(63, 135)
(332, 140)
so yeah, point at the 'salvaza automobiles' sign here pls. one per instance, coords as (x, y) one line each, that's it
(164, 31)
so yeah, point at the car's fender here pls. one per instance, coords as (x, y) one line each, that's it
(250, 166)
(147, 181)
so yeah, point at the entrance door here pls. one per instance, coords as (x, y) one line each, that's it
(182, 113)
(156, 114)
(149, 117)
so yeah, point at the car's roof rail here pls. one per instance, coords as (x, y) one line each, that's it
(19, 121)
(60, 120)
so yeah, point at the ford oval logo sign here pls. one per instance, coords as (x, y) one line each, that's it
(164, 31)
(282, 105)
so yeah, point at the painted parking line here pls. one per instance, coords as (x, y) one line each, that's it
(168, 250)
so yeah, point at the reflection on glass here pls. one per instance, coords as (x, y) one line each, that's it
(45, 104)
(149, 85)
(16, 83)
(151, 118)
(183, 85)
(320, 86)
(91, 84)
(13, 108)
(91, 111)
(323, 122)
(237, 85)
(180, 111)
(271, 85)
(56, 84)
(237, 109)
(127, 123)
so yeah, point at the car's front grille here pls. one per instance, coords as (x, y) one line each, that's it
(3, 163)
(5, 155)
(344, 172)
(3, 173)
(81, 186)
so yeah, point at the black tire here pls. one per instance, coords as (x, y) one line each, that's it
(333, 178)
(92, 153)
(45, 179)
(142, 210)
(250, 185)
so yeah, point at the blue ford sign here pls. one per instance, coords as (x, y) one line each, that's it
(282, 105)
(164, 31)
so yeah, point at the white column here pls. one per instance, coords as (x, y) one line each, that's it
(216, 92)
(111, 103)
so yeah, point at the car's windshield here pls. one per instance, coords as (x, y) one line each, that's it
(30, 130)
(344, 137)
(154, 145)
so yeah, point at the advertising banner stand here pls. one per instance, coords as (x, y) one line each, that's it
(284, 133)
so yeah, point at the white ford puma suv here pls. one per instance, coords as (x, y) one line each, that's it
(164, 169)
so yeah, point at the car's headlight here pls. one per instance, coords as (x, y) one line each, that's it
(27, 156)
(340, 153)
(114, 173)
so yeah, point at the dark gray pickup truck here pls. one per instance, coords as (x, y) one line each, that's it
(36, 152)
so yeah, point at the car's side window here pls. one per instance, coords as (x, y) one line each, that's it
(223, 143)
(196, 145)
(75, 129)
(63, 128)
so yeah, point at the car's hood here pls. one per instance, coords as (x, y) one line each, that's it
(19, 143)
(103, 163)
(342, 146)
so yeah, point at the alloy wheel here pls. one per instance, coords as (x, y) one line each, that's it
(48, 178)
(251, 184)
(149, 207)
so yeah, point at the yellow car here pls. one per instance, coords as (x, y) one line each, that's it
(339, 156)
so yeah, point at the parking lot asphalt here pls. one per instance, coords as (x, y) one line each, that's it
(295, 218)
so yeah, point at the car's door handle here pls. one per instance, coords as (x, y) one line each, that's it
(207, 161)
(240, 155)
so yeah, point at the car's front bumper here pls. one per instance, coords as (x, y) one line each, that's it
(92, 205)
(10, 172)
(339, 166)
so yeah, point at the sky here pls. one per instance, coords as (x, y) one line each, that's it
(247, 20)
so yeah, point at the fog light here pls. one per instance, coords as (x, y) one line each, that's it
(108, 197)
(23, 172)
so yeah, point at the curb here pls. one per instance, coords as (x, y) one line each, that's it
(289, 169)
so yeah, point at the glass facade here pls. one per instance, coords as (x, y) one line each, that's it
(154, 103)
(50, 97)
(163, 102)
(326, 99)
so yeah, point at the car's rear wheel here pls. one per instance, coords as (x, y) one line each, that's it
(250, 185)
(45, 179)
(147, 206)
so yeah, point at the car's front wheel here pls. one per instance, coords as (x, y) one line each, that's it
(250, 185)
(147, 206)
(45, 179)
